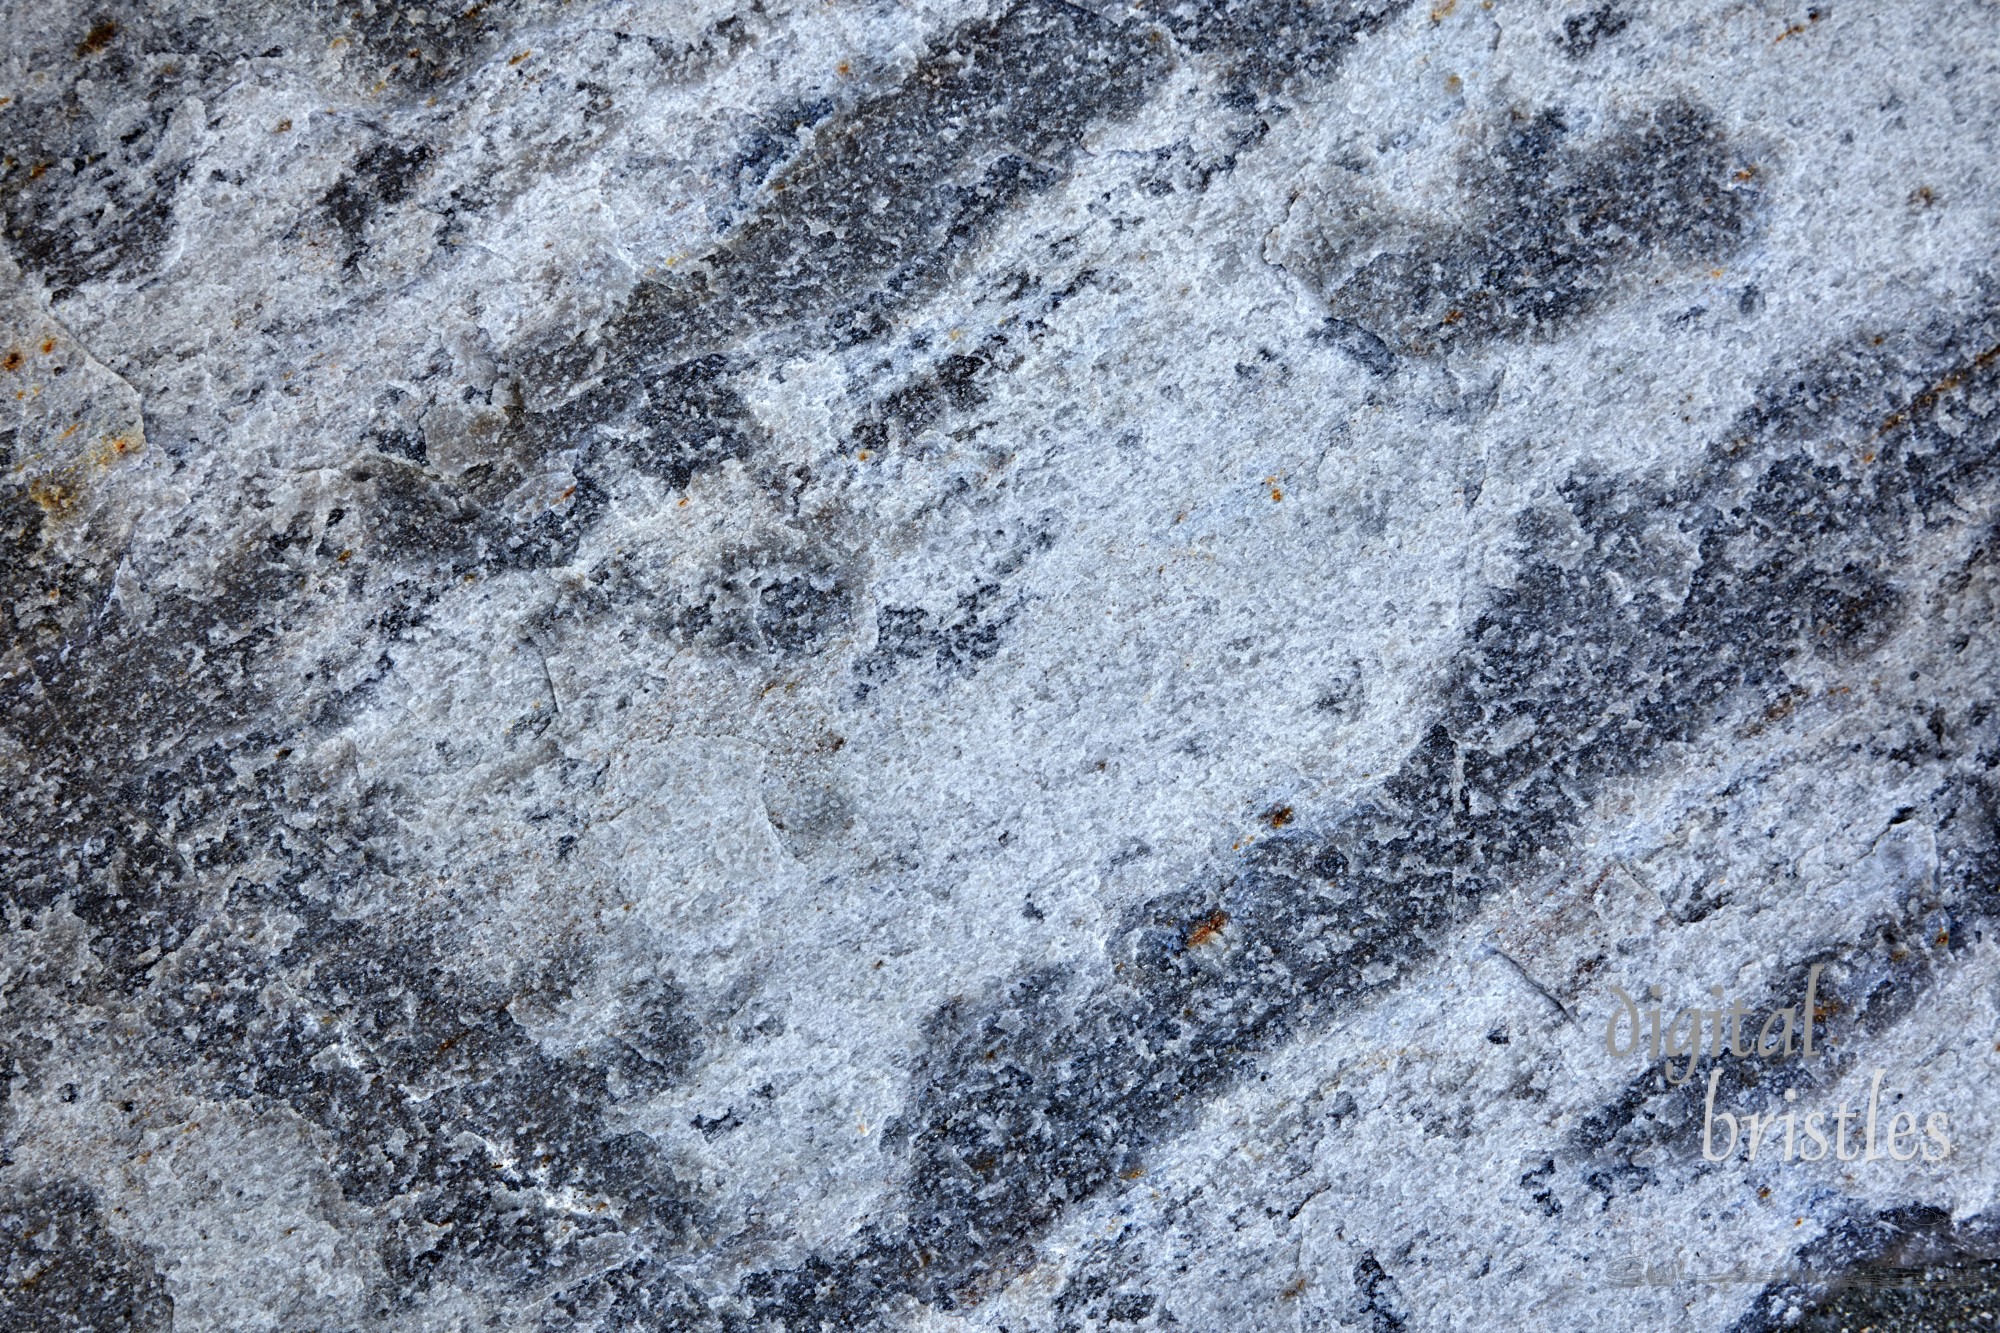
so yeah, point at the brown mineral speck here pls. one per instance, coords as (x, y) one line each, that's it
(96, 39)
(1812, 16)
(1208, 928)
(53, 498)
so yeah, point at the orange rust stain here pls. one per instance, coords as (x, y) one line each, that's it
(345, 556)
(284, 125)
(1812, 16)
(1924, 401)
(1453, 316)
(70, 430)
(1277, 494)
(519, 58)
(1208, 928)
(1132, 1173)
(1280, 817)
(48, 346)
(567, 492)
(1443, 11)
(96, 39)
(13, 360)
(35, 172)
(1747, 172)
(843, 68)
(55, 499)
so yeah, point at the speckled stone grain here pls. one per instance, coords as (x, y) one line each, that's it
(980, 667)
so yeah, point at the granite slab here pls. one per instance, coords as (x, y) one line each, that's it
(999, 665)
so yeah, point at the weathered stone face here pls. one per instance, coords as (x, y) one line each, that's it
(1019, 666)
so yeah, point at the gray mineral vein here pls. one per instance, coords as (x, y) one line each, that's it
(1011, 667)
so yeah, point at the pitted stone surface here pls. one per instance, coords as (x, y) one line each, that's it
(993, 666)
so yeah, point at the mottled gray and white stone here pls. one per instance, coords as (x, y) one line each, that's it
(964, 665)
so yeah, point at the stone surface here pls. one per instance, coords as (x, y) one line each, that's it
(962, 665)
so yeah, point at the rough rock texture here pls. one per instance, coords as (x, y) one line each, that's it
(994, 666)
